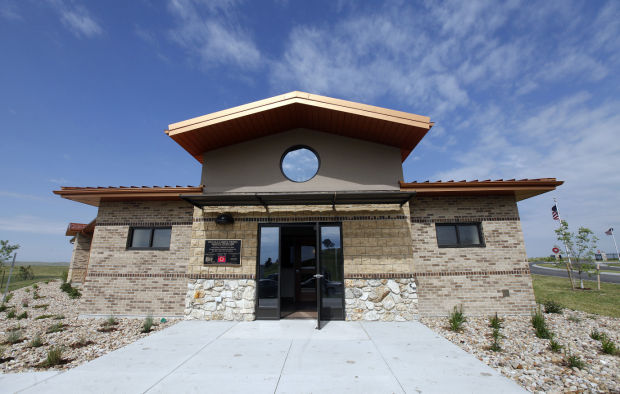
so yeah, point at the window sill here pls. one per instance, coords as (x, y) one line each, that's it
(147, 249)
(461, 246)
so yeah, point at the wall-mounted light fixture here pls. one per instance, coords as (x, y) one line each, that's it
(224, 218)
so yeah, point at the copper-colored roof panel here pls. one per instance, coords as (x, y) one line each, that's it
(94, 196)
(521, 189)
(300, 110)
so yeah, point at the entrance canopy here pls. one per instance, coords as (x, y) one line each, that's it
(307, 198)
(300, 110)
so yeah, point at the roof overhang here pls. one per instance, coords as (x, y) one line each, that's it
(306, 198)
(521, 189)
(74, 229)
(94, 195)
(300, 110)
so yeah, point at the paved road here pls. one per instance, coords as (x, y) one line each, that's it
(611, 278)
(288, 356)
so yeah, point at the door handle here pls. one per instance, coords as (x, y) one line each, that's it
(318, 276)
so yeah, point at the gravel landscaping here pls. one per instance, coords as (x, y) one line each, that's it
(528, 359)
(52, 316)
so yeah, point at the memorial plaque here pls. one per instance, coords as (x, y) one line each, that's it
(223, 251)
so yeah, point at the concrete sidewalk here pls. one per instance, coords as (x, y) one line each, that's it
(287, 356)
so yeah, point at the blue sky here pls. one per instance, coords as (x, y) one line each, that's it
(520, 89)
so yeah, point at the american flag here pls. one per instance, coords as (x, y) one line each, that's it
(554, 213)
(610, 231)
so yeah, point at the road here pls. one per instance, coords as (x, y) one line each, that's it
(610, 278)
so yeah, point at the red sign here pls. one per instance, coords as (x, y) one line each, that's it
(556, 250)
(221, 259)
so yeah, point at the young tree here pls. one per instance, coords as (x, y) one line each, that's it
(6, 250)
(581, 247)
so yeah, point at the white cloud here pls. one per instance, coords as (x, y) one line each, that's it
(31, 224)
(8, 10)
(77, 19)
(209, 32)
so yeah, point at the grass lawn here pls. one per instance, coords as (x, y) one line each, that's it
(41, 273)
(604, 302)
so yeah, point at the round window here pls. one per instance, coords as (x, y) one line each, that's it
(299, 163)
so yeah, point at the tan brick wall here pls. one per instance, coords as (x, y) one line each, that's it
(140, 282)
(79, 258)
(473, 277)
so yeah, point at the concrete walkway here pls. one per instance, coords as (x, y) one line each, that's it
(287, 356)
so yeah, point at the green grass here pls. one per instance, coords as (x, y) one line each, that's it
(41, 273)
(604, 302)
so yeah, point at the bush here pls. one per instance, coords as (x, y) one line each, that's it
(456, 319)
(574, 319)
(8, 297)
(64, 276)
(22, 315)
(596, 334)
(59, 317)
(553, 307)
(70, 290)
(495, 322)
(14, 336)
(36, 341)
(44, 306)
(35, 286)
(11, 314)
(574, 362)
(148, 324)
(110, 321)
(3, 307)
(555, 346)
(36, 296)
(43, 317)
(608, 346)
(54, 357)
(25, 303)
(26, 273)
(495, 346)
(538, 322)
(56, 327)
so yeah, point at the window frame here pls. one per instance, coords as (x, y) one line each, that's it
(458, 244)
(296, 147)
(152, 231)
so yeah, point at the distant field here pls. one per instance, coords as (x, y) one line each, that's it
(41, 273)
(33, 263)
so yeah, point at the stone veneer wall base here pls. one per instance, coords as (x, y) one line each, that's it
(381, 299)
(220, 299)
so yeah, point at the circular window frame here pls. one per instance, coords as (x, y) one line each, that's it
(297, 147)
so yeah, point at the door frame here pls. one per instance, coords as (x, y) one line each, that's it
(317, 230)
(318, 265)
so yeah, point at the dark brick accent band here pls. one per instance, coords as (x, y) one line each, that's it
(278, 219)
(188, 276)
(391, 275)
(465, 219)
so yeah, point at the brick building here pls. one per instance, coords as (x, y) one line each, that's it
(303, 212)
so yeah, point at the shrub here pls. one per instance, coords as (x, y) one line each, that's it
(14, 336)
(3, 307)
(538, 322)
(457, 319)
(495, 322)
(553, 307)
(574, 319)
(574, 361)
(27, 290)
(8, 297)
(44, 306)
(495, 346)
(43, 317)
(11, 314)
(608, 346)
(64, 276)
(148, 324)
(36, 296)
(596, 334)
(25, 303)
(36, 341)
(110, 321)
(56, 327)
(54, 356)
(46, 282)
(65, 286)
(26, 273)
(83, 341)
(22, 315)
(555, 346)
(59, 317)
(70, 290)
(35, 286)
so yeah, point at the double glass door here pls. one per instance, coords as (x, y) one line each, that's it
(300, 272)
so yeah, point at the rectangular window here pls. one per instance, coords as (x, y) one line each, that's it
(462, 235)
(156, 238)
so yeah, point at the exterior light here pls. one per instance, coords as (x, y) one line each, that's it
(224, 218)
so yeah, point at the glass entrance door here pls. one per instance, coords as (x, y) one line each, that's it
(330, 274)
(268, 273)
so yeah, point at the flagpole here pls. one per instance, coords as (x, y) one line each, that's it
(569, 267)
(615, 244)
